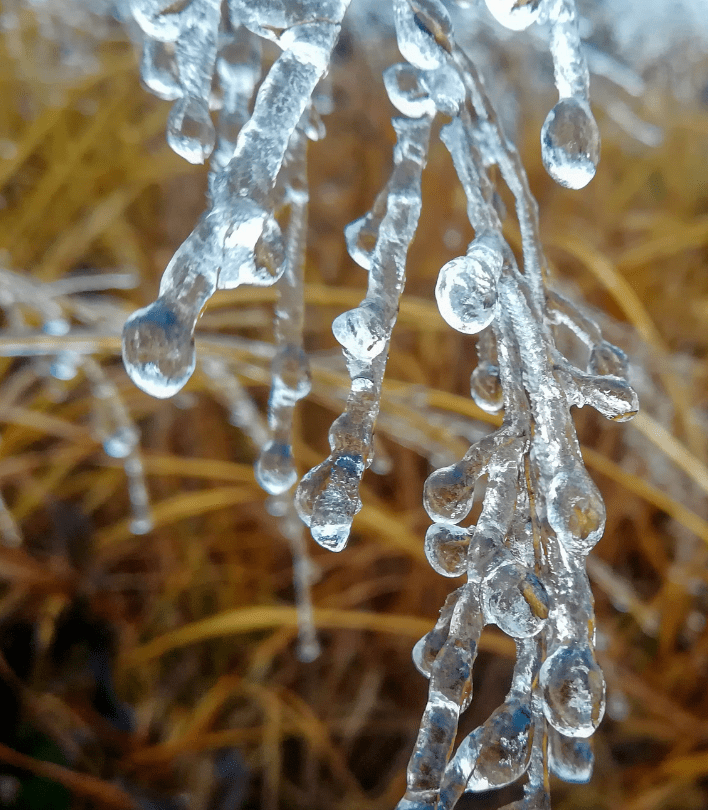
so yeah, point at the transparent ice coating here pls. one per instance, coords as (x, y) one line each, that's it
(570, 758)
(513, 14)
(421, 27)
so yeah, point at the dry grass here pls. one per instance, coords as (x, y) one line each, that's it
(200, 612)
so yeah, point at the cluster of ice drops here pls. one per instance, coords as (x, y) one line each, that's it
(541, 514)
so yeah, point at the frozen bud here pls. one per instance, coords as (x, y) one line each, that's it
(575, 510)
(515, 14)
(515, 599)
(486, 388)
(570, 143)
(446, 549)
(466, 290)
(573, 690)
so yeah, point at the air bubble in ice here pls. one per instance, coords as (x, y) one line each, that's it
(446, 549)
(190, 130)
(570, 143)
(515, 599)
(573, 690)
(158, 350)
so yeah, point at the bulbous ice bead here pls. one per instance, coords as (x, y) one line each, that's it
(573, 690)
(274, 469)
(190, 130)
(515, 14)
(486, 553)
(570, 759)
(158, 350)
(446, 549)
(614, 398)
(254, 252)
(466, 290)
(504, 747)
(575, 510)
(420, 31)
(608, 360)
(406, 92)
(516, 600)
(570, 143)
(486, 388)
(121, 442)
(447, 495)
(360, 331)
(291, 371)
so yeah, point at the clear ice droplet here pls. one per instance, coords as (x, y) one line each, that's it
(570, 759)
(575, 509)
(120, 443)
(190, 130)
(361, 331)
(486, 388)
(573, 690)
(570, 143)
(406, 92)
(274, 469)
(446, 549)
(515, 599)
(158, 350)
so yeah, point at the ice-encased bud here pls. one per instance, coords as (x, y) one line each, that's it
(446, 549)
(406, 91)
(515, 14)
(515, 599)
(361, 331)
(570, 143)
(254, 252)
(504, 747)
(448, 495)
(190, 130)
(575, 510)
(570, 759)
(422, 29)
(466, 290)
(608, 360)
(158, 349)
(274, 470)
(486, 388)
(573, 690)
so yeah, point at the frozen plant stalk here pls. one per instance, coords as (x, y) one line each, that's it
(524, 560)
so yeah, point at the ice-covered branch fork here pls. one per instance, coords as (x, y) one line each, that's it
(540, 512)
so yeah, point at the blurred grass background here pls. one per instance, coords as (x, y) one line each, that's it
(149, 671)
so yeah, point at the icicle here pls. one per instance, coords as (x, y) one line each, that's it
(327, 497)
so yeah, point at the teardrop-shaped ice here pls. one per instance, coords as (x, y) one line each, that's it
(446, 548)
(515, 14)
(486, 388)
(575, 510)
(274, 469)
(466, 290)
(158, 349)
(515, 599)
(570, 759)
(573, 690)
(614, 398)
(158, 70)
(570, 143)
(406, 91)
(190, 130)
(421, 28)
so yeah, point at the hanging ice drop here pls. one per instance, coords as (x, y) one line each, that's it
(190, 130)
(575, 509)
(515, 599)
(466, 290)
(446, 549)
(515, 14)
(570, 143)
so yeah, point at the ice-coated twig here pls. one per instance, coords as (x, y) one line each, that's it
(328, 496)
